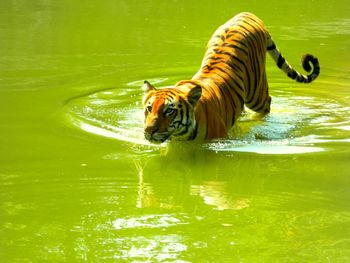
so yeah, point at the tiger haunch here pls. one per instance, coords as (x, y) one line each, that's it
(232, 75)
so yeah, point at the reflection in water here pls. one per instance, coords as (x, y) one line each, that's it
(147, 221)
(340, 26)
(145, 193)
(173, 191)
(215, 194)
(158, 248)
(175, 182)
(190, 186)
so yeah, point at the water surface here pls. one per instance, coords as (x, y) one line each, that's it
(78, 183)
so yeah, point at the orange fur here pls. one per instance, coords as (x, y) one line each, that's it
(232, 74)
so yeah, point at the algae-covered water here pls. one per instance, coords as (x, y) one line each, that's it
(78, 183)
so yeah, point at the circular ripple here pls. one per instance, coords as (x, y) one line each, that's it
(296, 124)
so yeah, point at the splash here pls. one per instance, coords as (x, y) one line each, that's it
(297, 124)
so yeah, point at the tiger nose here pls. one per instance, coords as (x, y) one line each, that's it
(150, 129)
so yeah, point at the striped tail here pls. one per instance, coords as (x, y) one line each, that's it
(292, 73)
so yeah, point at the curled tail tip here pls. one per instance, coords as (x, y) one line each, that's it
(306, 59)
(309, 63)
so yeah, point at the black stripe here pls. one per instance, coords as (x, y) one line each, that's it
(258, 28)
(253, 77)
(240, 98)
(217, 36)
(212, 90)
(280, 61)
(186, 125)
(231, 36)
(256, 107)
(181, 117)
(229, 45)
(293, 74)
(229, 63)
(236, 47)
(238, 41)
(213, 65)
(235, 69)
(228, 75)
(240, 61)
(218, 85)
(259, 108)
(300, 78)
(221, 52)
(256, 31)
(194, 133)
(309, 78)
(212, 57)
(187, 118)
(243, 34)
(206, 115)
(272, 47)
(316, 69)
(245, 68)
(221, 36)
(230, 90)
(251, 19)
(233, 120)
(169, 92)
(251, 34)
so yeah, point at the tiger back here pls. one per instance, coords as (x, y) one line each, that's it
(232, 74)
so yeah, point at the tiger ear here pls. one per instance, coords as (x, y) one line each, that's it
(147, 87)
(194, 94)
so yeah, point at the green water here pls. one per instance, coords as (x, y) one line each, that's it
(78, 183)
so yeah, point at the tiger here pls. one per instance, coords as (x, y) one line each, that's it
(232, 75)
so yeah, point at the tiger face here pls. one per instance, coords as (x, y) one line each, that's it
(169, 112)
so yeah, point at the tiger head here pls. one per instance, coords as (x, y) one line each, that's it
(169, 112)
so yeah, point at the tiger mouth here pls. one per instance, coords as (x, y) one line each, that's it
(157, 138)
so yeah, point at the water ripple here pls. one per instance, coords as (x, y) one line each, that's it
(315, 30)
(298, 123)
(147, 221)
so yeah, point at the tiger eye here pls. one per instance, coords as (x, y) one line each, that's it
(169, 111)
